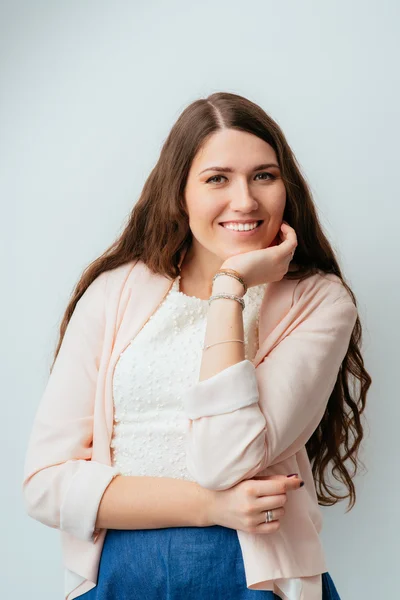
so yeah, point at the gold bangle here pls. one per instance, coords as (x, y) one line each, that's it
(224, 342)
(231, 273)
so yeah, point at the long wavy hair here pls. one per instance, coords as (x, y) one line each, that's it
(157, 230)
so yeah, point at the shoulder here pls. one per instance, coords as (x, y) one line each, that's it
(118, 276)
(317, 303)
(106, 288)
(113, 281)
(321, 289)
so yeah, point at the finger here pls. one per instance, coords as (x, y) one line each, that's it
(273, 477)
(289, 241)
(276, 484)
(266, 528)
(277, 476)
(269, 502)
(289, 235)
(277, 513)
(268, 487)
(286, 225)
(294, 483)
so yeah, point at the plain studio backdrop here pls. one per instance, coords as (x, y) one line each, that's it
(89, 92)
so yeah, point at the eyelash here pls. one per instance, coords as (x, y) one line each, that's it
(264, 173)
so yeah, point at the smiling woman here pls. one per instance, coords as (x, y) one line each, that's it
(200, 390)
(242, 192)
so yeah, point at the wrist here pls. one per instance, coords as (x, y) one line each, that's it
(227, 284)
(210, 507)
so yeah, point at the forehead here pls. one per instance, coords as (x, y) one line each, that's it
(236, 149)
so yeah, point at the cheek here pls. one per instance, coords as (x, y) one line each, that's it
(203, 218)
(277, 201)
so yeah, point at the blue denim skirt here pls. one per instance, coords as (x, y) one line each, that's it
(176, 563)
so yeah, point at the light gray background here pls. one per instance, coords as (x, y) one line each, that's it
(89, 93)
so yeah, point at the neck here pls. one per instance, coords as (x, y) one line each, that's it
(200, 268)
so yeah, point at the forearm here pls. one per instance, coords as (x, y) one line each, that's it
(223, 406)
(158, 502)
(224, 322)
(131, 502)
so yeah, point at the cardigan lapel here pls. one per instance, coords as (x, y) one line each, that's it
(142, 293)
(145, 290)
(275, 306)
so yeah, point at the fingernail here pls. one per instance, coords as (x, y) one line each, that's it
(301, 484)
(292, 475)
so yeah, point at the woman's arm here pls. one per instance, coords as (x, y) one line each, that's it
(245, 419)
(224, 322)
(131, 502)
(62, 485)
(157, 502)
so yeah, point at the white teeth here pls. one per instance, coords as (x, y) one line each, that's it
(240, 226)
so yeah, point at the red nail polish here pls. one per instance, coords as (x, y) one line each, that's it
(292, 475)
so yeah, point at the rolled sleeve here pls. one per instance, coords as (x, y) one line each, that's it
(62, 485)
(83, 498)
(233, 388)
(247, 418)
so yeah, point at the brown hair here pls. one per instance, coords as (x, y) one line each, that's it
(158, 230)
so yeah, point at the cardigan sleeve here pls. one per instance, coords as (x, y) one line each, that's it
(62, 485)
(246, 418)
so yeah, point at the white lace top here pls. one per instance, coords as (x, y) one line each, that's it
(150, 379)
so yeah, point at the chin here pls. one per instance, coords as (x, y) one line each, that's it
(247, 248)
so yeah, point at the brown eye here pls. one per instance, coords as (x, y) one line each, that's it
(214, 177)
(219, 177)
(270, 174)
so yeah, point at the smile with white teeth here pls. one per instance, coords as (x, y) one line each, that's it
(241, 226)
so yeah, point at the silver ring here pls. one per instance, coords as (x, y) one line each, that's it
(269, 516)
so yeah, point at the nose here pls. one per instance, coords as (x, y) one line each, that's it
(242, 200)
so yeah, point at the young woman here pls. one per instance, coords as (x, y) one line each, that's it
(200, 388)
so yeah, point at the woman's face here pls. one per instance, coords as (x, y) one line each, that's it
(237, 191)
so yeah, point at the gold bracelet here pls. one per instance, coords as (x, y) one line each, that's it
(231, 273)
(224, 342)
(229, 296)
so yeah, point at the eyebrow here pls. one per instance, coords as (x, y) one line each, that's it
(230, 170)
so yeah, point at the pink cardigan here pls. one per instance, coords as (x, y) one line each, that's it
(267, 408)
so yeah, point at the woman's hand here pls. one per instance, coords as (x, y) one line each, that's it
(268, 264)
(244, 506)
